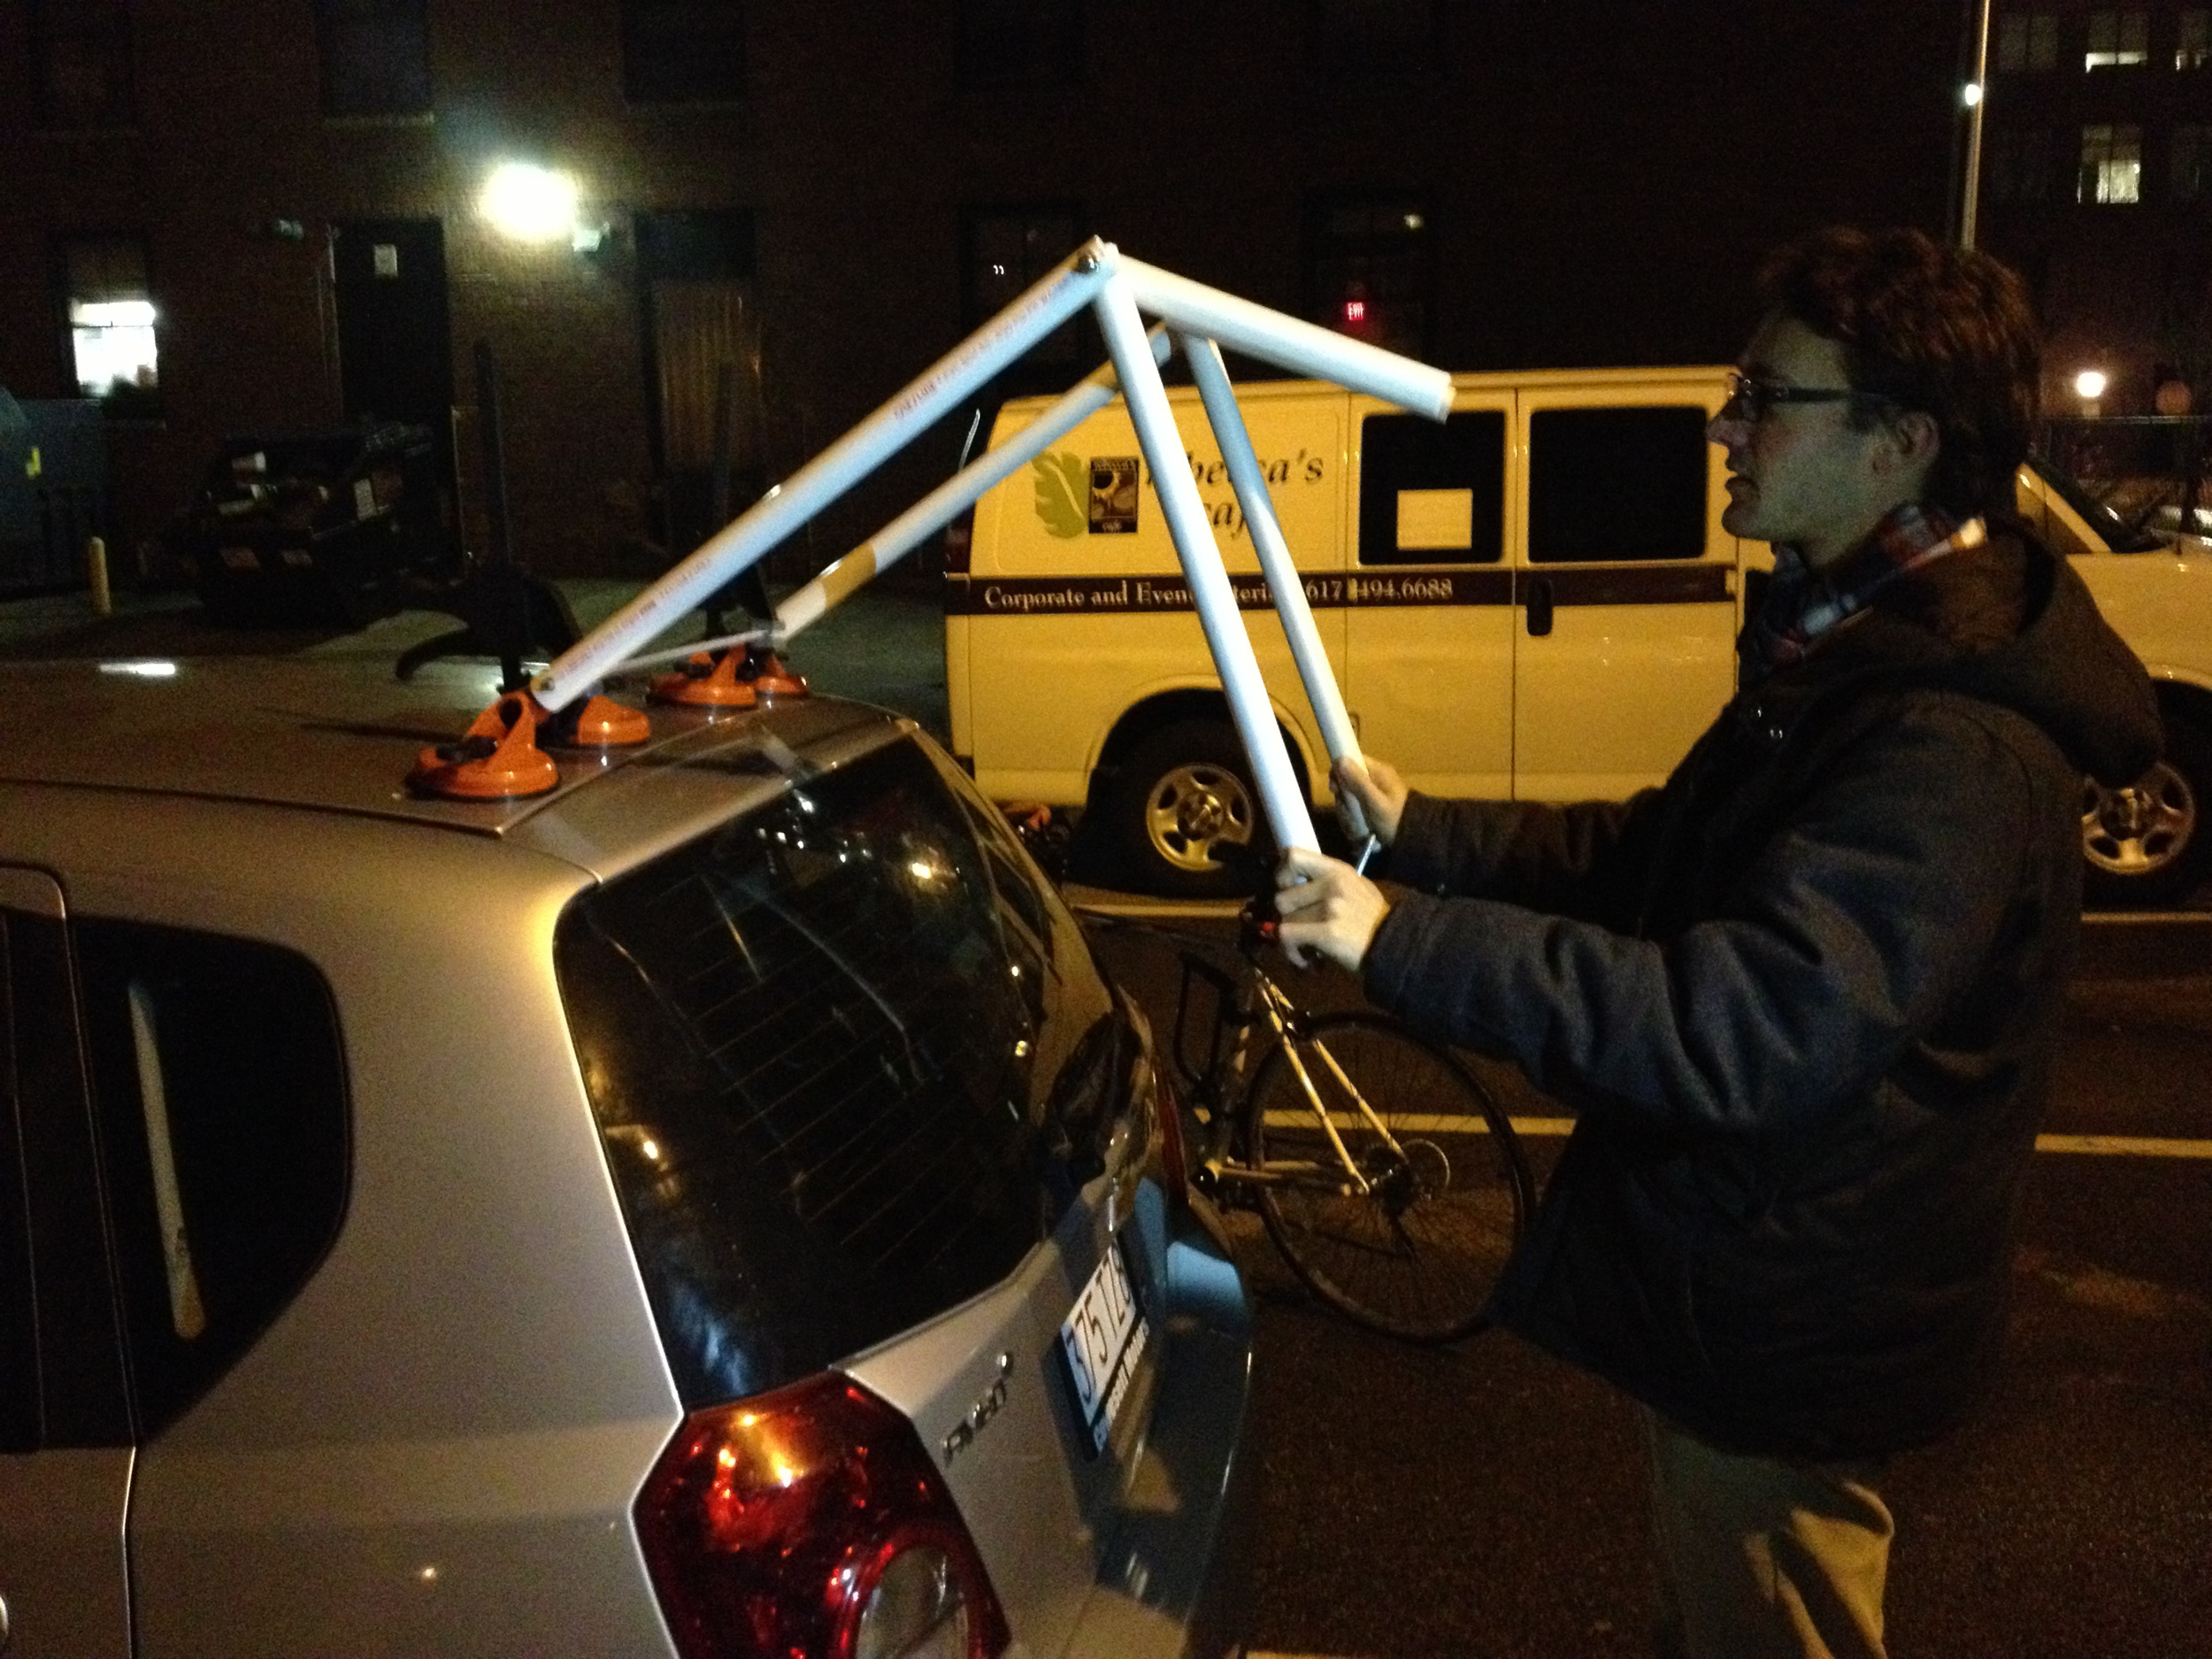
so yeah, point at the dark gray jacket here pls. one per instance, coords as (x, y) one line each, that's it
(1803, 999)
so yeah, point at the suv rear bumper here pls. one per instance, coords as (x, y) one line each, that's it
(1175, 1578)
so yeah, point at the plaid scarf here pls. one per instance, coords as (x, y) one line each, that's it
(1805, 605)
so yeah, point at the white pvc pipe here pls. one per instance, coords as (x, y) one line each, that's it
(1283, 579)
(1116, 309)
(952, 498)
(1302, 348)
(1043, 307)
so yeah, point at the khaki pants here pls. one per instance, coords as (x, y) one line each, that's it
(1759, 1558)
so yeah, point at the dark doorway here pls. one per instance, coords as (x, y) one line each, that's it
(394, 338)
(701, 337)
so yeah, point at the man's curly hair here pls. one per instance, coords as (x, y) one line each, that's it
(1947, 331)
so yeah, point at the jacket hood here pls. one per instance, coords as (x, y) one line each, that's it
(2010, 623)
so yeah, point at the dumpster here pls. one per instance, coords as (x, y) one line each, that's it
(53, 490)
(319, 527)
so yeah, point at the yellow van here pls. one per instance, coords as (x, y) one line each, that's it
(1534, 600)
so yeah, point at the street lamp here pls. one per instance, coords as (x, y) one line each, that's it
(2089, 386)
(528, 202)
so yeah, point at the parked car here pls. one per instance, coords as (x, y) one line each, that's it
(1535, 600)
(716, 1208)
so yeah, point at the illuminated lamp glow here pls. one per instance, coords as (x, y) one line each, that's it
(529, 204)
(2089, 383)
(142, 671)
(1970, 94)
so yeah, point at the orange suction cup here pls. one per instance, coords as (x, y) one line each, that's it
(597, 723)
(769, 672)
(709, 680)
(496, 759)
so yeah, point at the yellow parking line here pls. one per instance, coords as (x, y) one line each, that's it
(1460, 1123)
(1422, 1124)
(2127, 1146)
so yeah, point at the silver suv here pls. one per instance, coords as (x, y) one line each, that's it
(716, 1209)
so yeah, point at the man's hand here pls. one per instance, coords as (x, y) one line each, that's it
(1329, 909)
(1379, 790)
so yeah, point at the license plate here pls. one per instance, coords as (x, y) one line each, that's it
(1103, 1337)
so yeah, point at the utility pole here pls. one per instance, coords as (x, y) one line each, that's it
(1977, 98)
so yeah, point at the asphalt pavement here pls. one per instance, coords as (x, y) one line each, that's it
(1487, 1501)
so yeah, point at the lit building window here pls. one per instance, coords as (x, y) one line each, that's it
(2111, 164)
(2027, 42)
(2193, 47)
(111, 323)
(375, 55)
(2119, 40)
(2192, 174)
(81, 62)
(1369, 272)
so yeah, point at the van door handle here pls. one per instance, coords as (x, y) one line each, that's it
(1540, 606)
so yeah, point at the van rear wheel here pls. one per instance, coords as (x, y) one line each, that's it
(1187, 818)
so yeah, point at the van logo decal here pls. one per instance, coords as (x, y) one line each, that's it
(1061, 479)
(1113, 494)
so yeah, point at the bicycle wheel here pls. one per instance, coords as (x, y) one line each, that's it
(1416, 1255)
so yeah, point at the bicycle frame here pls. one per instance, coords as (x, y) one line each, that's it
(1240, 1007)
(1119, 292)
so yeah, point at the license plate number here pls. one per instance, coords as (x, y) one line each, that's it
(1103, 1337)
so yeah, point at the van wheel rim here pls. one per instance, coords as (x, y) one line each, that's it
(1197, 815)
(2141, 830)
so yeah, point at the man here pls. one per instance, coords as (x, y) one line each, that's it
(1803, 997)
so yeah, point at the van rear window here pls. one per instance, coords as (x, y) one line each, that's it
(813, 1040)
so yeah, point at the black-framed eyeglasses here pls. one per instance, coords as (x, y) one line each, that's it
(1751, 400)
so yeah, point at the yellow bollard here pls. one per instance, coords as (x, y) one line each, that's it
(96, 564)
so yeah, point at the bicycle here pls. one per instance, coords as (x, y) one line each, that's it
(1389, 1178)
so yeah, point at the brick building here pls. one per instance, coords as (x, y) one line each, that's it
(2097, 182)
(239, 215)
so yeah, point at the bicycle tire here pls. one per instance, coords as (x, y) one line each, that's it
(1419, 1256)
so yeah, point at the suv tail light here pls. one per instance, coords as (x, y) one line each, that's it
(809, 1524)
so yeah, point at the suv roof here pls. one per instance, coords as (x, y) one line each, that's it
(340, 735)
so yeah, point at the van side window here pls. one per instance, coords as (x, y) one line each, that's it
(1613, 484)
(222, 1089)
(1432, 495)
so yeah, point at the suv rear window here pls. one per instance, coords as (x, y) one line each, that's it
(843, 1087)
